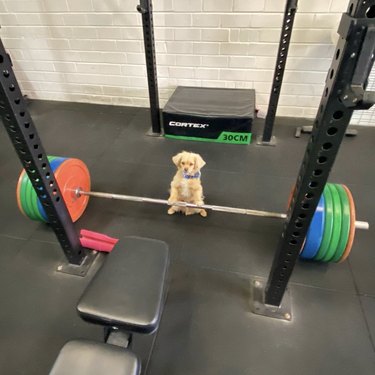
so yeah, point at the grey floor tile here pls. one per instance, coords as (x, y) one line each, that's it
(208, 320)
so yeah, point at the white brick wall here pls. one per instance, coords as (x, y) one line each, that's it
(92, 50)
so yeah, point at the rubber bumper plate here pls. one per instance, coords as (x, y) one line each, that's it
(337, 220)
(315, 233)
(328, 224)
(72, 175)
(352, 225)
(345, 225)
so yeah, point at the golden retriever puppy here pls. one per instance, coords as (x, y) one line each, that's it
(186, 185)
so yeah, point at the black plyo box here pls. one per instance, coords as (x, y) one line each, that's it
(210, 114)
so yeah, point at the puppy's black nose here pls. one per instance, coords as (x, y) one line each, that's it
(185, 169)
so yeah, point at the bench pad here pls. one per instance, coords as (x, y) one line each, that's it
(83, 357)
(128, 291)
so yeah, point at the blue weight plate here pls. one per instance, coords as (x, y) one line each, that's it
(54, 165)
(315, 233)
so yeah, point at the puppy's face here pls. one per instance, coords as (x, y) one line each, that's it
(188, 162)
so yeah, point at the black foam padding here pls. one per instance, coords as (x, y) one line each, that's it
(207, 112)
(127, 292)
(83, 357)
(215, 102)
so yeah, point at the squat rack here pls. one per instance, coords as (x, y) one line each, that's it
(345, 91)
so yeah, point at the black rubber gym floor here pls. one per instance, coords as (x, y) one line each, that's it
(207, 327)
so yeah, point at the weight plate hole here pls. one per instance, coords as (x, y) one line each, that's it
(317, 172)
(338, 114)
(332, 131)
(322, 159)
(326, 146)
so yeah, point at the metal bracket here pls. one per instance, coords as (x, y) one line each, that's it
(141, 10)
(308, 129)
(151, 133)
(260, 142)
(81, 269)
(257, 305)
(117, 337)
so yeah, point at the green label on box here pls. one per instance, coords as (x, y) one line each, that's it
(225, 137)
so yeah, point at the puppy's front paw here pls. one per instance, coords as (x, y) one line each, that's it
(171, 211)
(203, 213)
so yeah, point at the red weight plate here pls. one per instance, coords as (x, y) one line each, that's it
(352, 225)
(70, 176)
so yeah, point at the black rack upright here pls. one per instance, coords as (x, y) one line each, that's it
(145, 8)
(24, 136)
(344, 92)
(282, 54)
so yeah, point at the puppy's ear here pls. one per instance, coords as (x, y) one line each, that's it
(176, 159)
(199, 162)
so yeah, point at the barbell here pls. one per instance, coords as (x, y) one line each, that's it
(329, 239)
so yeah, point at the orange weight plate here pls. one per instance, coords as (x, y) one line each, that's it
(18, 193)
(73, 174)
(352, 225)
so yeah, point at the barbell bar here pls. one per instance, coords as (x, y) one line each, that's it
(233, 210)
(325, 232)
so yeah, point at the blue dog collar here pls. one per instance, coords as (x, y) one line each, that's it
(189, 177)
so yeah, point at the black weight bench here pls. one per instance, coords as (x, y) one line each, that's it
(125, 296)
(81, 357)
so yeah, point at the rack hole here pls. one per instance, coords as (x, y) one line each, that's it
(326, 146)
(351, 8)
(305, 206)
(26, 125)
(40, 156)
(296, 234)
(1, 59)
(338, 114)
(48, 175)
(31, 136)
(293, 242)
(338, 53)
(326, 91)
(301, 216)
(309, 195)
(17, 101)
(317, 172)
(44, 165)
(6, 73)
(22, 114)
(12, 87)
(36, 147)
(370, 12)
(332, 130)
(332, 73)
(57, 199)
(322, 159)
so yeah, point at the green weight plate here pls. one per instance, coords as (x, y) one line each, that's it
(345, 225)
(328, 225)
(30, 193)
(34, 196)
(337, 221)
(26, 203)
(29, 197)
